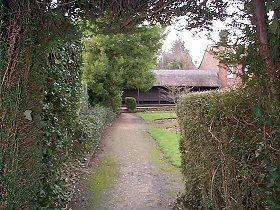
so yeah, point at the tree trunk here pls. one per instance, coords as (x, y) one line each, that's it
(259, 19)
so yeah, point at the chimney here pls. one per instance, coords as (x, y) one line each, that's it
(223, 37)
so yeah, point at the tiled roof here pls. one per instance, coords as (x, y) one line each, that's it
(193, 78)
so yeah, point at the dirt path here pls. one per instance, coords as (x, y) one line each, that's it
(138, 177)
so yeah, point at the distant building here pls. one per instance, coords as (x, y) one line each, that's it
(197, 80)
(211, 74)
(229, 76)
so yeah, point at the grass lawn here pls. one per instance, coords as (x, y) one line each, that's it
(169, 144)
(152, 116)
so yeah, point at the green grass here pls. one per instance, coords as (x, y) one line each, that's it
(102, 179)
(168, 143)
(160, 163)
(152, 116)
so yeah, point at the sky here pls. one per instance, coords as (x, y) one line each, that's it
(196, 44)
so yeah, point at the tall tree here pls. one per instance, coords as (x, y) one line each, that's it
(120, 15)
(119, 62)
(177, 58)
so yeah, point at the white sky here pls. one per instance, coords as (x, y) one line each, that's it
(196, 44)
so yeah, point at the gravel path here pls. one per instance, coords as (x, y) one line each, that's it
(144, 180)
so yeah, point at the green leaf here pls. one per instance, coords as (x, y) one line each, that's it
(257, 111)
(49, 152)
(27, 114)
(274, 27)
(275, 5)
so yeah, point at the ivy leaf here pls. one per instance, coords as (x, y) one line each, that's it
(275, 5)
(49, 152)
(273, 27)
(27, 114)
(257, 112)
(268, 6)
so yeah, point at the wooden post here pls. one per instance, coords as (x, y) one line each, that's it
(138, 96)
(158, 95)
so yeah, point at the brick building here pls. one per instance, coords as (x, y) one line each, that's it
(229, 76)
(211, 74)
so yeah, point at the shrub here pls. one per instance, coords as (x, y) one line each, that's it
(115, 102)
(218, 145)
(90, 127)
(130, 103)
(112, 100)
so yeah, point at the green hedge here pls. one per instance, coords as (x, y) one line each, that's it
(218, 144)
(130, 103)
(20, 105)
(58, 187)
(39, 122)
(90, 128)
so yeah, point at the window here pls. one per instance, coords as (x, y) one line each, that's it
(230, 72)
(246, 70)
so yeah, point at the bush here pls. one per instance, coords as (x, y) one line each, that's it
(115, 102)
(91, 124)
(112, 100)
(218, 145)
(130, 103)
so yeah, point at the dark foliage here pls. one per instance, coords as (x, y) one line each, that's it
(130, 103)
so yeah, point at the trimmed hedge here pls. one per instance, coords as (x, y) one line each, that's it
(130, 103)
(90, 128)
(218, 145)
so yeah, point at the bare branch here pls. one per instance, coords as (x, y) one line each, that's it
(173, 93)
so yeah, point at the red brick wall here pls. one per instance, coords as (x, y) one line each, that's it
(230, 82)
(209, 62)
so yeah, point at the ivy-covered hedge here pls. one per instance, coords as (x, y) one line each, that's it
(67, 135)
(39, 105)
(22, 75)
(219, 140)
(90, 127)
(62, 92)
